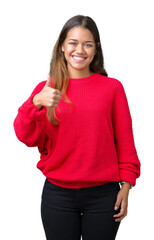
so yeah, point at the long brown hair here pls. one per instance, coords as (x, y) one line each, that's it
(58, 65)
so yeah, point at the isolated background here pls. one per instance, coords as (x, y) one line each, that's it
(29, 30)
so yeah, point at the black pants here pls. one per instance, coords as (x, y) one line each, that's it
(68, 214)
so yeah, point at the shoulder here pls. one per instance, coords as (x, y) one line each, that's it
(39, 87)
(113, 83)
(41, 84)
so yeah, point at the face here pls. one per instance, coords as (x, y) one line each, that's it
(79, 50)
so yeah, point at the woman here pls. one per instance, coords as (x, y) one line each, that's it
(80, 121)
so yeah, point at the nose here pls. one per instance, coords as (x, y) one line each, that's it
(80, 49)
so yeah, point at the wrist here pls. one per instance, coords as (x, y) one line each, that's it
(36, 101)
(126, 185)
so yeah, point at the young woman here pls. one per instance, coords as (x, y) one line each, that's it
(80, 121)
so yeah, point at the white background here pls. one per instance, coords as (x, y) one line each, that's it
(29, 30)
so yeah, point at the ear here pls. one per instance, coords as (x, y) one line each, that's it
(62, 47)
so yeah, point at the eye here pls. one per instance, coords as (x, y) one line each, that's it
(72, 43)
(88, 45)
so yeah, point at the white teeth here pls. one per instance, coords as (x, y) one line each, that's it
(78, 58)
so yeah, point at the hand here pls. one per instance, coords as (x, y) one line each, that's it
(47, 97)
(122, 202)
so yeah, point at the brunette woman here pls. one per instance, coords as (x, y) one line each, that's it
(80, 121)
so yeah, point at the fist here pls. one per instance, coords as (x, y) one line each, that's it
(48, 97)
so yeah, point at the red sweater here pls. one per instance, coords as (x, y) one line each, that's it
(93, 144)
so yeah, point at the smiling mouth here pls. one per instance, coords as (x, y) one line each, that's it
(78, 59)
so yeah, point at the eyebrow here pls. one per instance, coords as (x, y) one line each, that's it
(77, 40)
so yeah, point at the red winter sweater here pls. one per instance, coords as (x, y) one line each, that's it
(93, 144)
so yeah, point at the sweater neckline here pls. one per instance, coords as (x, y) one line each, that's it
(80, 80)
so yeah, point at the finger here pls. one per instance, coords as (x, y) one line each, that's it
(58, 98)
(56, 102)
(122, 211)
(119, 214)
(117, 204)
(48, 83)
(58, 92)
(119, 219)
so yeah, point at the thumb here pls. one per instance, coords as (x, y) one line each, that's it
(117, 204)
(48, 83)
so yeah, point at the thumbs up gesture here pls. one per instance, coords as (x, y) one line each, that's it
(48, 96)
(48, 83)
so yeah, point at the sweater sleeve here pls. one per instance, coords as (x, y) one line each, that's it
(28, 124)
(129, 164)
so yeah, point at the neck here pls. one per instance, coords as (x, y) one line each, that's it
(80, 73)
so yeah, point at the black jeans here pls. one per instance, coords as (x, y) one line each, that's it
(68, 214)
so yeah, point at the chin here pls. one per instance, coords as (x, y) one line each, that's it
(80, 67)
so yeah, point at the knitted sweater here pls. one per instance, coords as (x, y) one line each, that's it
(93, 143)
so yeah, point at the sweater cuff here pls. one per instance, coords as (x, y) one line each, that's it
(128, 177)
(29, 112)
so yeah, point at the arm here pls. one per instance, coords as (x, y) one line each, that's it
(129, 164)
(28, 124)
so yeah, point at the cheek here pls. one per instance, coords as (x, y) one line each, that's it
(91, 54)
(69, 50)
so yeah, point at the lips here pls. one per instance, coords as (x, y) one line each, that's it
(78, 58)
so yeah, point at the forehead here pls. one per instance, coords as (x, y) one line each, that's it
(80, 34)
